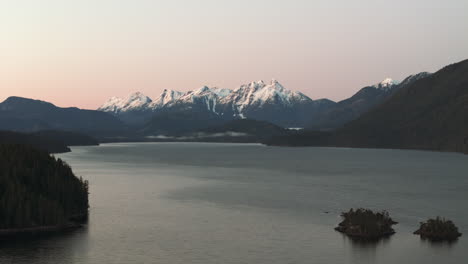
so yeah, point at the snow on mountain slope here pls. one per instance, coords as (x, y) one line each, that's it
(257, 94)
(165, 98)
(135, 101)
(257, 100)
(252, 94)
(386, 84)
(113, 105)
(221, 92)
(204, 99)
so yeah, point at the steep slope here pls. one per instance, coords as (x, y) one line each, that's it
(361, 102)
(166, 97)
(200, 100)
(431, 113)
(132, 110)
(133, 102)
(27, 115)
(273, 103)
(37, 191)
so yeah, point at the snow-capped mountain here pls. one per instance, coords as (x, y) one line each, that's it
(386, 84)
(204, 98)
(258, 100)
(165, 98)
(256, 95)
(134, 102)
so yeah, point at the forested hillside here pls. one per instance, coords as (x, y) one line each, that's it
(52, 141)
(46, 144)
(429, 114)
(68, 138)
(37, 189)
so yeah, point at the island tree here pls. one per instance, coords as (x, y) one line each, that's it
(438, 229)
(366, 224)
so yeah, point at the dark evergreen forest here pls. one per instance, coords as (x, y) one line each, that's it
(37, 189)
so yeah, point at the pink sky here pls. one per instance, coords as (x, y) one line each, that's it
(80, 53)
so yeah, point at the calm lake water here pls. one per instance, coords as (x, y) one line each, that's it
(224, 203)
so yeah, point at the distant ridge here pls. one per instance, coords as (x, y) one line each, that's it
(364, 100)
(430, 113)
(29, 115)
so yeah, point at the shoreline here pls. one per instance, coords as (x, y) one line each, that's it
(103, 143)
(75, 222)
(38, 230)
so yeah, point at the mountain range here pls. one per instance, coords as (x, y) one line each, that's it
(424, 111)
(259, 100)
(429, 113)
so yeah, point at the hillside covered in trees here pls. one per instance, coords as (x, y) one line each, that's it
(50, 140)
(429, 114)
(45, 144)
(38, 190)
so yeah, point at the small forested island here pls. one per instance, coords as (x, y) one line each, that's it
(438, 229)
(38, 193)
(365, 224)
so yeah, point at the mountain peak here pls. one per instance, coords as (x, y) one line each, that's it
(201, 90)
(166, 97)
(386, 84)
(276, 85)
(138, 96)
(133, 101)
(388, 81)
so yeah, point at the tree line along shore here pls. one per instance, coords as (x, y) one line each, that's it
(38, 192)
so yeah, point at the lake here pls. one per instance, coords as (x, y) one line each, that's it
(246, 203)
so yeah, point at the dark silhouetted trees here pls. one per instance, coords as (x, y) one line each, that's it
(364, 223)
(438, 229)
(37, 189)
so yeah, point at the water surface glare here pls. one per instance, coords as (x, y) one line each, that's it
(245, 203)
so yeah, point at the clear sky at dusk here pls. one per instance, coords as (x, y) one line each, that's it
(80, 53)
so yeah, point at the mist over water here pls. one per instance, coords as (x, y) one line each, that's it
(247, 203)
